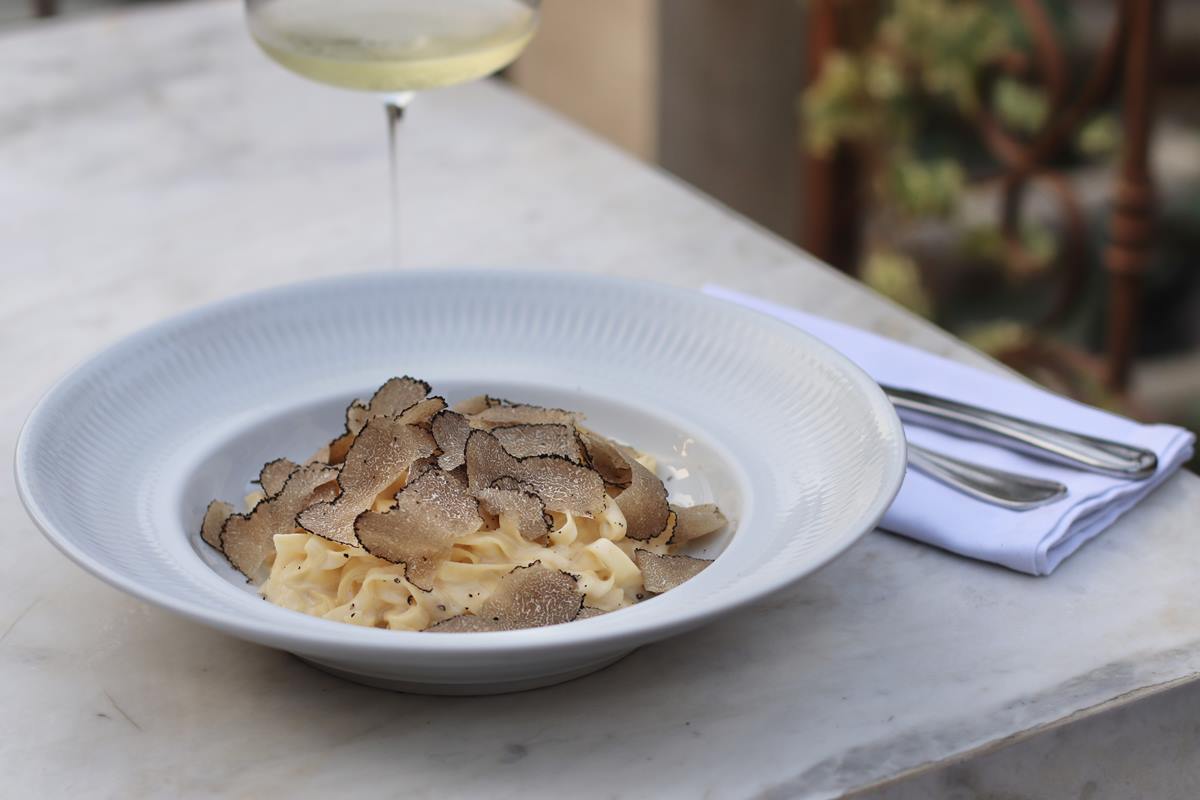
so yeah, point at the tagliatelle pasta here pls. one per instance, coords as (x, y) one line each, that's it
(520, 531)
(326, 579)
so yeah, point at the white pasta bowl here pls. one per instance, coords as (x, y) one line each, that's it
(796, 444)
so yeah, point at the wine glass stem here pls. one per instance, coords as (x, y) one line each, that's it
(394, 106)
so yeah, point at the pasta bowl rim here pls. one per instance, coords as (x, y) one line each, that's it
(628, 627)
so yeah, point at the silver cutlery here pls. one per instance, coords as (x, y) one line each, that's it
(1048, 443)
(996, 486)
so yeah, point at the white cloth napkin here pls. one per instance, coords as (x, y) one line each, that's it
(1034, 541)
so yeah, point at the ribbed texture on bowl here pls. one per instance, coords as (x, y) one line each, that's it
(815, 445)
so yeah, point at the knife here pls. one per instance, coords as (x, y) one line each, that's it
(1046, 442)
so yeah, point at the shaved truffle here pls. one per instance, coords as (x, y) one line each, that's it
(422, 411)
(522, 414)
(527, 597)
(515, 500)
(410, 479)
(696, 521)
(339, 447)
(587, 612)
(561, 484)
(466, 623)
(669, 531)
(420, 467)
(440, 492)
(473, 405)
(511, 484)
(532, 596)
(661, 573)
(392, 398)
(357, 415)
(248, 539)
(379, 456)
(214, 518)
(274, 474)
(430, 514)
(450, 431)
(606, 458)
(644, 503)
(540, 439)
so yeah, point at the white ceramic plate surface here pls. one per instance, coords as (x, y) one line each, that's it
(797, 445)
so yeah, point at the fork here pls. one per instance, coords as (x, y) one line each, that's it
(995, 486)
(1076, 450)
(1009, 489)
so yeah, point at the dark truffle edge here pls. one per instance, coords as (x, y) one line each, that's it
(529, 458)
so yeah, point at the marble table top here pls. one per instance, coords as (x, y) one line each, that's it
(151, 160)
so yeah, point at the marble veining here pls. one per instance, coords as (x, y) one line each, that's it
(151, 160)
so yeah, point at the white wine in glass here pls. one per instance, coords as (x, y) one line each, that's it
(393, 47)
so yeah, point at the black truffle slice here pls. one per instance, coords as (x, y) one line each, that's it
(338, 448)
(393, 393)
(532, 596)
(357, 415)
(430, 514)
(587, 612)
(511, 498)
(247, 539)
(540, 439)
(390, 399)
(465, 623)
(214, 518)
(606, 458)
(487, 461)
(274, 474)
(696, 521)
(442, 492)
(421, 412)
(527, 597)
(662, 573)
(511, 484)
(450, 431)
(669, 530)
(379, 456)
(473, 405)
(420, 467)
(522, 414)
(644, 503)
(561, 484)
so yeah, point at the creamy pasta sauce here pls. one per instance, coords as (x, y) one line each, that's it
(326, 579)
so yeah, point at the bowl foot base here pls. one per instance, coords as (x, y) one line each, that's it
(481, 688)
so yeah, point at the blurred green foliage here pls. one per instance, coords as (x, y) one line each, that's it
(895, 275)
(985, 243)
(910, 98)
(1021, 107)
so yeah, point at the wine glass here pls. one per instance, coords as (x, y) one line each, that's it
(393, 48)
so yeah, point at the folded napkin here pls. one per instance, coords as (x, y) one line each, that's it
(1034, 541)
